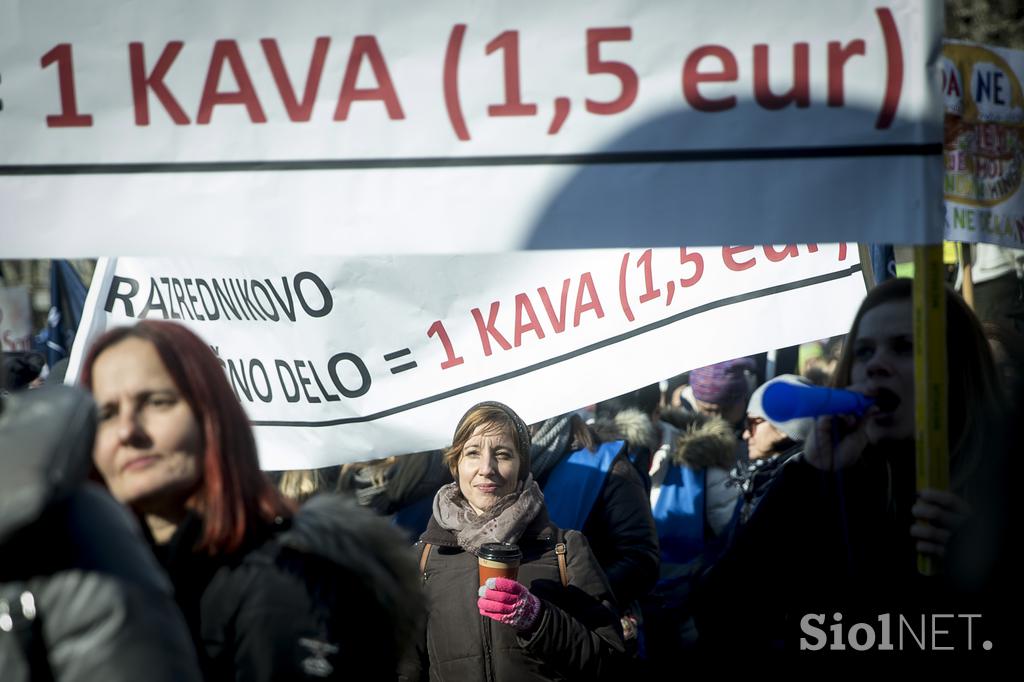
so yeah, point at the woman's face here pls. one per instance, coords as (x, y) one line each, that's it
(488, 467)
(762, 438)
(883, 362)
(148, 442)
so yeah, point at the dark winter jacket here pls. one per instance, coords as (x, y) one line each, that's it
(85, 598)
(824, 542)
(755, 477)
(302, 599)
(620, 528)
(578, 635)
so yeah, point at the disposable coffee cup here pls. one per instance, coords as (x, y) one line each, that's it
(499, 560)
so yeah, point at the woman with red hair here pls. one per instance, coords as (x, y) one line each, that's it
(259, 584)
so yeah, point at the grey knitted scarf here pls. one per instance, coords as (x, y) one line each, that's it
(504, 522)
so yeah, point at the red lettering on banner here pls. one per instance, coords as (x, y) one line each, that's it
(623, 72)
(698, 266)
(842, 250)
(727, 256)
(775, 256)
(142, 84)
(451, 359)
(366, 47)
(693, 78)
(226, 51)
(837, 56)
(524, 307)
(298, 112)
(812, 248)
(801, 90)
(557, 322)
(69, 116)
(587, 286)
(894, 68)
(508, 43)
(488, 329)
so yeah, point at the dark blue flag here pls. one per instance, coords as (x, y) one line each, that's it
(67, 299)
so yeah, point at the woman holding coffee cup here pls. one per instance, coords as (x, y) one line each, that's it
(512, 597)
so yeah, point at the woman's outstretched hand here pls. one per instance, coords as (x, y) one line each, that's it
(508, 602)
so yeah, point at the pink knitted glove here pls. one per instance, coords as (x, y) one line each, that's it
(508, 602)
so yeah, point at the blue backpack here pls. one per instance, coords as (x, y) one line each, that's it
(679, 515)
(574, 484)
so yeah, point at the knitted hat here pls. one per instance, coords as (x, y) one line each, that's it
(724, 383)
(795, 429)
(521, 430)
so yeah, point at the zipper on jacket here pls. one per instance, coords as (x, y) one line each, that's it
(485, 623)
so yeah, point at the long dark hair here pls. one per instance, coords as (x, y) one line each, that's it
(234, 494)
(975, 395)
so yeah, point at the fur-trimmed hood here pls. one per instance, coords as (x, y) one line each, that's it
(630, 425)
(704, 442)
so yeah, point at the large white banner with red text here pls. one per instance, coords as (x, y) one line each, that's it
(256, 127)
(342, 359)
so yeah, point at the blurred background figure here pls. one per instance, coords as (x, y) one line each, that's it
(21, 369)
(998, 276)
(633, 417)
(817, 359)
(693, 501)
(592, 486)
(400, 487)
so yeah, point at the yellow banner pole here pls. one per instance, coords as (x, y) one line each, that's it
(930, 382)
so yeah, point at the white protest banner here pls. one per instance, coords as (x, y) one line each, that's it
(256, 127)
(15, 319)
(984, 143)
(342, 359)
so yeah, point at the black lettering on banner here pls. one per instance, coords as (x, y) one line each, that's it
(243, 287)
(226, 301)
(332, 369)
(179, 296)
(304, 381)
(125, 298)
(244, 305)
(155, 301)
(170, 298)
(330, 397)
(283, 366)
(328, 300)
(215, 313)
(272, 314)
(267, 395)
(289, 308)
(192, 300)
(239, 380)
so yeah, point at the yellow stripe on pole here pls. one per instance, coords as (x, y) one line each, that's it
(931, 391)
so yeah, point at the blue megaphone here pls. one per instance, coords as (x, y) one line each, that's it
(782, 401)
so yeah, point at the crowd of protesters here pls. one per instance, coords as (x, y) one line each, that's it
(138, 536)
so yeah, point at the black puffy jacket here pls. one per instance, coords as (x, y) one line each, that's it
(308, 598)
